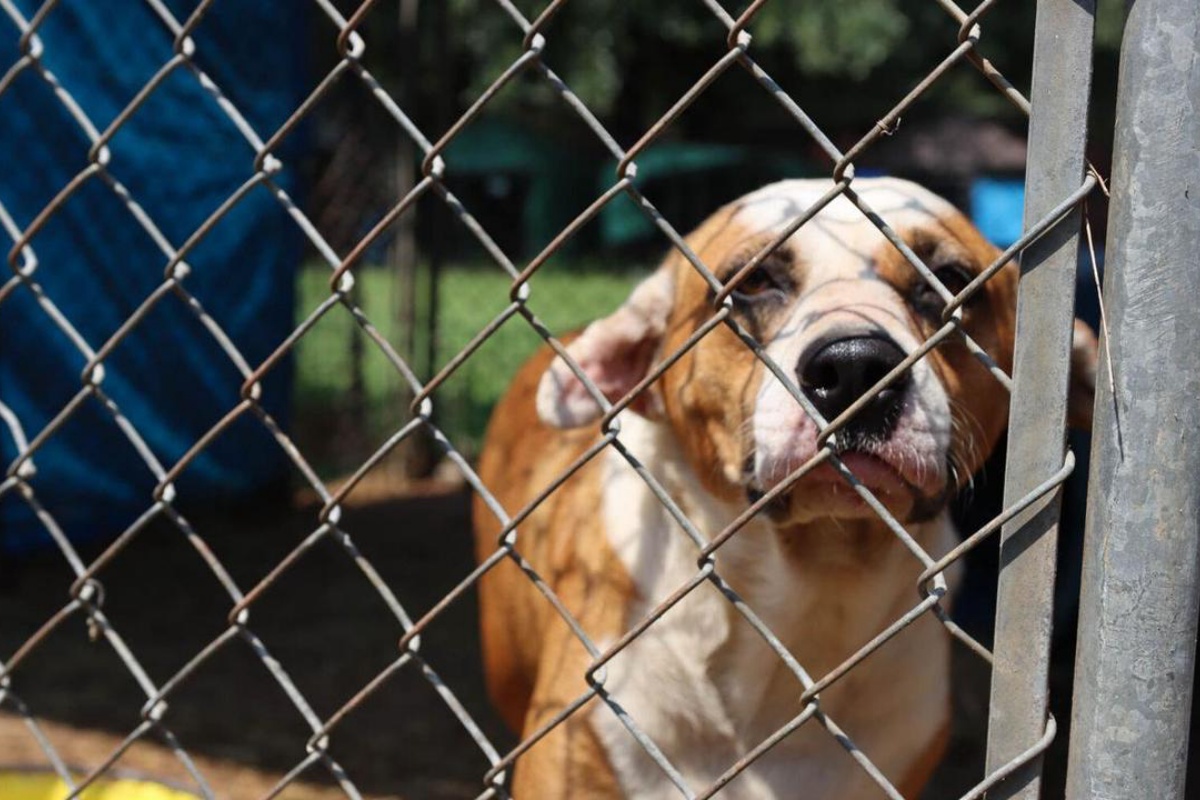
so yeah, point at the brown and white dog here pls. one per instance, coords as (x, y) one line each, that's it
(838, 306)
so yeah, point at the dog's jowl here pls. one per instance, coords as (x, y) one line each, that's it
(836, 307)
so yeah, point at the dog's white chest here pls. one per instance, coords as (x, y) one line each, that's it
(706, 689)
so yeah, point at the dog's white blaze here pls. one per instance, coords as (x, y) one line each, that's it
(706, 688)
(896, 201)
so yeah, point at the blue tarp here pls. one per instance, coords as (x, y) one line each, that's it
(180, 157)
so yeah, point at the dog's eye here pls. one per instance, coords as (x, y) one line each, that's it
(757, 284)
(955, 278)
(925, 298)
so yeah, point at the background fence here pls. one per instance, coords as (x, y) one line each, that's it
(432, 190)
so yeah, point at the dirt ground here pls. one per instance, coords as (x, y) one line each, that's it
(322, 620)
(329, 629)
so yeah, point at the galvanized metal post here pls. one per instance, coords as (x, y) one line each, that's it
(1062, 70)
(1137, 627)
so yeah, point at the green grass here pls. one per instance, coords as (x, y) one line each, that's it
(564, 296)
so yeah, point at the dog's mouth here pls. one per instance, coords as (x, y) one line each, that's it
(909, 487)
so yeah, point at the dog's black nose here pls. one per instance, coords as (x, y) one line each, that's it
(839, 373)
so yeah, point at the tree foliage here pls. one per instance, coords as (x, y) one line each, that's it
(846, 61)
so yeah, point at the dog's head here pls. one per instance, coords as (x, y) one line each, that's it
(837, 307)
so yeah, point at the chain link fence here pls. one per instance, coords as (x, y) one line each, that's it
(1038, 465)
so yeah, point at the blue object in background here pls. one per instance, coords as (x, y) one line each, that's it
(180, 157)
(998, 208)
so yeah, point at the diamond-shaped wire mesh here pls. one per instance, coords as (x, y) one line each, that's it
(86, 596)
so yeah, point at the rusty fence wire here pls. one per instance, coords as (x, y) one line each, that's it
(86, 595)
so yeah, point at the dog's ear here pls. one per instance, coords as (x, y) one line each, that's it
(1081, 394)
(615, 353)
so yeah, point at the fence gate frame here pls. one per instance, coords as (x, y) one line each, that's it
(1135, 656)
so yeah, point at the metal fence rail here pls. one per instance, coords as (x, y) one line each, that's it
(1037, 466)
(1041, 368)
